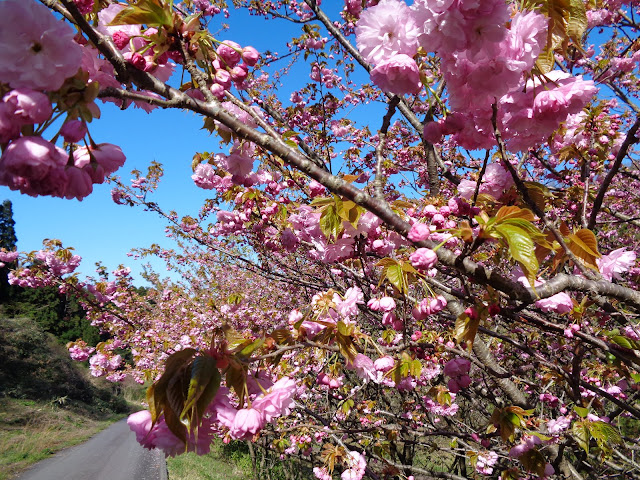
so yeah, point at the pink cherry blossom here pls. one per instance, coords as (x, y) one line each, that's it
(384, 364)
(229, 52)
(37, 50)
(387, 304)
(250, 56)
(419, 232)
(73, 131)
(205, 176)
(559, 303)
(109, 157)
(9, 124)
(558, 425)
(349, 306)
(278, 401)
(247, 422)
(615, 263)
(386, 30)
(28, 105)
(423, 258)
(79, 183)
(363, 366)
(485, 462)
(398, 75)
(84, 6)
(357, 464)
(140, 424)
(32, 158)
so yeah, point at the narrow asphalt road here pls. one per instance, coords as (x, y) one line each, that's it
(112, 454)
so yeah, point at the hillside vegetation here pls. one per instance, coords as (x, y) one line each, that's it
(47, 401)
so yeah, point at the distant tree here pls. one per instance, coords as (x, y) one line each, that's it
(8, 237)
(8, 241)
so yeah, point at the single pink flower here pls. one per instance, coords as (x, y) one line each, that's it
(140, 424)
(385, 30)
(247, 422)
(29, 106)
(9, 124)
(384, 364)
(419, 232)
(37, 50)
(398, 74)
(229, 52)
(79, 183)
(32, 158)
(250, 56)
(73, 131)
(423, 258)
(278, 401)
(387, 304)
(363, 366)
(109, 157)
(205, 176)
(615, 263)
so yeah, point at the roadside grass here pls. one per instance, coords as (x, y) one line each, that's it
(224, 462)
(31, 430)
(47, 401)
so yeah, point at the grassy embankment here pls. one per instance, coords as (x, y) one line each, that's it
(224, 462)
(47, 401)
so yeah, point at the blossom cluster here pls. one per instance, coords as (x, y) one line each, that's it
(482, 61)
(221, 415)
(41, 56)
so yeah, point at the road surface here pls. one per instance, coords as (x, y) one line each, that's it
(112, 454)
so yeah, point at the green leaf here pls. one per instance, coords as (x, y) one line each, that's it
(203, 386)
(157, 393)
(395, 275)
(466, 329)
(330, 222)
(349, 211)
(152, 13)
(252, 347)
(581, 411)
(347, 405)
(580, 432)
(511, 212)
(521, 248)
(584, 245)
(624, 342)
(606, 435)
(415, 368)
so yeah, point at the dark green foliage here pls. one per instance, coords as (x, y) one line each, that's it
(58, 314)
(8, 241)
(35, 366)
(8, 237)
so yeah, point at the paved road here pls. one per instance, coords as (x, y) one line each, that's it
(112, 454)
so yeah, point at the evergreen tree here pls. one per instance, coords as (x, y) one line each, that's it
(8, 241)
(8, 237)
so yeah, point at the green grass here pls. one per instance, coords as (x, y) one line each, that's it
(49, 402)
(31, 430)
(224, 462)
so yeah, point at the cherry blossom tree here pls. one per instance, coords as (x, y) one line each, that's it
(443, 285)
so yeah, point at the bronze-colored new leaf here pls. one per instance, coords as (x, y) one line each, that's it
(466, 329)
(584, 245)
(157, 393)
